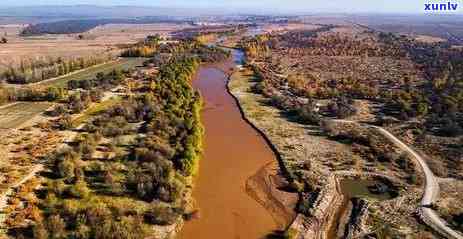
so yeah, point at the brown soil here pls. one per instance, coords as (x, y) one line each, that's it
(266, 188)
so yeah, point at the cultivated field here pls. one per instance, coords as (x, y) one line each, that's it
(90, 73)
(104, 39)
(271, 28)
(134, 32)
(17, 114)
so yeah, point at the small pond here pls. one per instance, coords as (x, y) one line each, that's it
(362, 188)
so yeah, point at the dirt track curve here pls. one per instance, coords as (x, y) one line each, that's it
(431, 189)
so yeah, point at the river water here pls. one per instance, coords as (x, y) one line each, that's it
(233, 152)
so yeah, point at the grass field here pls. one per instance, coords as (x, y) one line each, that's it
(15, 115)
(95, 109)
(123, 64)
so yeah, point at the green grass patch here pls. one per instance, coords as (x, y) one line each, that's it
(90, 73)
(240, 84)
(95, 110)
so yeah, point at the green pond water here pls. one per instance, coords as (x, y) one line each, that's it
(360, 188)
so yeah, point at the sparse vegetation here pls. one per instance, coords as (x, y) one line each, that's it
(146, 48)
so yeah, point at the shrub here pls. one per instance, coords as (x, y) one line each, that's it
(290, 234)
(56, 227)
(39, 231)
(342, 108)
(161, 214)
(451, 128)
(71, 208)
(50, 202)
(66, 169)
(80, 189)
(97, 212)
(82, 232)
(65, 122)
(308, 115)
(58, 187)
(127, 228)
(304, 207)
(57, 110)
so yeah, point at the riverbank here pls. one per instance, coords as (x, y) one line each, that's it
(311, 158)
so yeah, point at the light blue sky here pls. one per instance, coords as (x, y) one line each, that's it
(345, 6)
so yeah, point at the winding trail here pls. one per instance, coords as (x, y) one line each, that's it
(431, 189)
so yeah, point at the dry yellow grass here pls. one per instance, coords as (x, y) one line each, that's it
(17, 114)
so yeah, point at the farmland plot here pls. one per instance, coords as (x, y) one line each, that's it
(17, 114)
(90, 73)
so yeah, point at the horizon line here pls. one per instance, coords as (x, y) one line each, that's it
(250, 10)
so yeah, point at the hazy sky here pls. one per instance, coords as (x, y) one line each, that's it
(345, 6)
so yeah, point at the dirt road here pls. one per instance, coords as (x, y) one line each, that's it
(431, 190)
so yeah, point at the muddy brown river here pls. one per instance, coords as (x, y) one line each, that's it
(233, 152)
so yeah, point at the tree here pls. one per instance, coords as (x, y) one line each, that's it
(77, 105)
(329, 127)
(80, 189)
(58, 110)
(40, 232)
(56, 227)
(451, 128)
(82, 232)
(161, 214)
(73, 84)
(58, 187)
(422, 109)
(342, 107)
(65, 122)
(66, 169)
(308, 114)
(54, 93)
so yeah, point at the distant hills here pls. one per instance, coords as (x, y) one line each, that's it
(56, 19)
(94, 11)
(83, 25)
